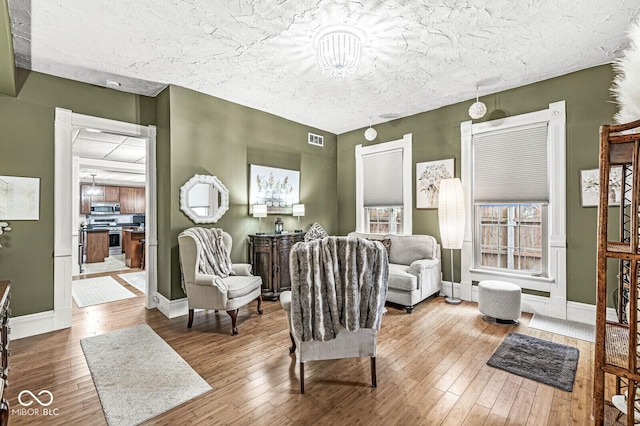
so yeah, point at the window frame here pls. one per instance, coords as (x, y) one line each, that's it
(555, 283)
(404, 144)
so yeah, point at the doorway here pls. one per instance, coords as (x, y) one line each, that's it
(65, 221)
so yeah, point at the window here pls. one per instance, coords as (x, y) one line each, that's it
(512, 237)
(383, 187)
(384, 220)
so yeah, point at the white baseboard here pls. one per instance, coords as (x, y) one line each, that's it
(32, 324)
(576, 311)
(172, 308)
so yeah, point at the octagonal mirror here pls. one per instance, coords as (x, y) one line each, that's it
(204, 199)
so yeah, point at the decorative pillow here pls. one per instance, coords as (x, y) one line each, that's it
(385, 242)
(315, 232)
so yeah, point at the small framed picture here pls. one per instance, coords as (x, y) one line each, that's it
(428, 177)
(590, 186)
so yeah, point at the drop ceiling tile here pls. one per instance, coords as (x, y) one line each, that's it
(127, 154)
(92, 149)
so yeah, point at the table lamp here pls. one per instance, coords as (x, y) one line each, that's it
(260, 211)
(298, 210)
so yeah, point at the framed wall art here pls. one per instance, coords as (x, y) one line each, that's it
(19, 198)
(590, 186)
(279, 189)
(428, 177)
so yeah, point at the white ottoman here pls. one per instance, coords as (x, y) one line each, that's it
(499, 301)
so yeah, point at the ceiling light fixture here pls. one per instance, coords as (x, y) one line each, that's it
(370, 134)
(477, 109)
(113, 84)
(339, 48)
(92, 190)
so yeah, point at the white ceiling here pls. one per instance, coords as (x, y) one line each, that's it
(110, 159)
(418, 55)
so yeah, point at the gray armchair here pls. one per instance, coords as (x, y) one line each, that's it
(207, 291)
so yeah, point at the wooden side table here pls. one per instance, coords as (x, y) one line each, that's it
(269, 257)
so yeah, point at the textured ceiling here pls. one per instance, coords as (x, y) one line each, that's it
(418, 55)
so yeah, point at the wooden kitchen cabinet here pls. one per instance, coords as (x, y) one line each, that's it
(96, 245)
(132, 200)
(112, 193)
(85, 199)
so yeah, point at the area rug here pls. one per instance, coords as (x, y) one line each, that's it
(138, 375)
(573, 329)
(94, 291)
(536, 359)
(136, 279)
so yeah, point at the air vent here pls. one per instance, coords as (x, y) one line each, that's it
(316, 139)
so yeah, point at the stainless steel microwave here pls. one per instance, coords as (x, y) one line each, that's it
(101, 207)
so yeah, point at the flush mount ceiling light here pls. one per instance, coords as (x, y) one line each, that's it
(113, 84)
(338, 49)
(370, 134)
(477, 109)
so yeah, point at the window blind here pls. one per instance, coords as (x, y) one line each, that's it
(511, 165)
(382, 176)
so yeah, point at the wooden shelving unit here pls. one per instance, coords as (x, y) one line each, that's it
(618, 343)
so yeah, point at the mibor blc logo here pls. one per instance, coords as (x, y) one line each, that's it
(27, 399)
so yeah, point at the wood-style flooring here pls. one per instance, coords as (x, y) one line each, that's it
(431, 370)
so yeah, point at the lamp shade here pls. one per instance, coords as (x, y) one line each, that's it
(259, 210)
(451, 213)
(298, 210)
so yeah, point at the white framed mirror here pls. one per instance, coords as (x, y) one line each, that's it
(204, 199)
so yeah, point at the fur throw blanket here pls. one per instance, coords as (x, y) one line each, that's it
(214, 256)
(337, 281)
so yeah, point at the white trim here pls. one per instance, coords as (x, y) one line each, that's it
(32, 324)
(555, 115)
(172, 308)
(405, 144)
(65, 122)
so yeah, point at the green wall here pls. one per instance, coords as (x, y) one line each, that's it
(27, 146)
(436, 135)
(215, 137)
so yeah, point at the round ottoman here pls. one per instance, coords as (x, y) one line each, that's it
(499, 301)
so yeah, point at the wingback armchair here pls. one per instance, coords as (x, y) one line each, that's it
(336, 302)
(210, 290)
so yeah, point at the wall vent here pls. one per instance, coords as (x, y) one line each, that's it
(316, 139)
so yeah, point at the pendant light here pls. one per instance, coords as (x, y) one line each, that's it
(92, 190)
(477, 109)
(370, 134)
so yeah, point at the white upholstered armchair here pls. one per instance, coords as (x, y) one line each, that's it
(204, 260)
(335, 306)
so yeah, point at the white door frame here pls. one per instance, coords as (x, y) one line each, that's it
(65, 121)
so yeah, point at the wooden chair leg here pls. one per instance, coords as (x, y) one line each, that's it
(260, 304)
(234, 320)
(292, 349)
(374, 379)
(190, 323)
(302, 377)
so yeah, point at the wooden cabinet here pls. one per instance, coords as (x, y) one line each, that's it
(269, 257)
(5, 311)
(132, 200)
(96, 245)
(132, 247)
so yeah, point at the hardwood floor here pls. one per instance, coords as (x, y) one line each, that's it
(431, 370)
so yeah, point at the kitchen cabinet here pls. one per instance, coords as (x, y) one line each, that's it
(85, 198)
(132, 200)
(112, 193)
(96, 245)
(133, 247)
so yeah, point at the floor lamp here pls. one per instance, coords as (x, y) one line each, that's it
(451, 220)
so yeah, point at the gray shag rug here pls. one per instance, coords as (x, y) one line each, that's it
(536, 359)
(138, 375)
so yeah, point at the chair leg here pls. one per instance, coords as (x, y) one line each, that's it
(234, 320)
(374, 379)
(260, 304)
(190, 323)
(292, 349)
(302, 377)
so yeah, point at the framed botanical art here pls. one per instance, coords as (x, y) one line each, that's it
(279, 189)
(19, 198)
(590, 186)
(428, 177)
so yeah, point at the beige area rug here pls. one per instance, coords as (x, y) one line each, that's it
(95, 291)
(136, 279)
(138, 375)
(573, 329)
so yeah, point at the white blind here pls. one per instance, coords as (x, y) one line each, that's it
(382, 176)
(511, 165)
